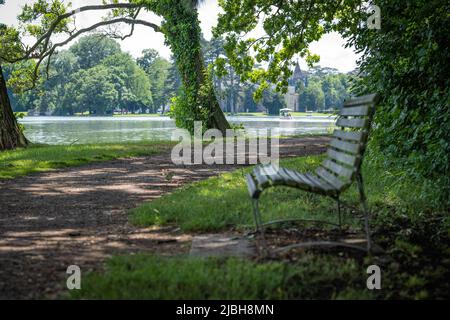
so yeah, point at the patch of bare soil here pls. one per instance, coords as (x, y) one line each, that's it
(314, 239)
(78, 216)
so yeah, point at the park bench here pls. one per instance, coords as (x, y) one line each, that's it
(335, 175)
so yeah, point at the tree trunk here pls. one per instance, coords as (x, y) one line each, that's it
(182, 32)
(218, 117)
(11, 136)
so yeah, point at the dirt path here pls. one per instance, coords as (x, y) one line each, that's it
(51, 220)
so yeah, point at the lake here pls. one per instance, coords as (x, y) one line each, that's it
(66, 130)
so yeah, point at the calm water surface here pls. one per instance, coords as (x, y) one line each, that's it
(65, 130)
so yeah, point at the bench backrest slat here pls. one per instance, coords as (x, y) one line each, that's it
(347, 159)
(346, 148)
(351, 123)
(355, 111)
(348, 135)
(362, 100)
(338, 169)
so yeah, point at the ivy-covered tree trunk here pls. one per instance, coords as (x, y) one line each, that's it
(11, 136)
(218, 120)
(198, 101)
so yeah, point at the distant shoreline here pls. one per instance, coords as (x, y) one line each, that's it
(155, 115)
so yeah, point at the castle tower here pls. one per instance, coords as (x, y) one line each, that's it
(296, 76)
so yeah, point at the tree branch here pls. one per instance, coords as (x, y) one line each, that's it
(47, 35)
(50, 52)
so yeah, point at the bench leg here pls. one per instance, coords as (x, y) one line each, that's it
(259, 226)
(363, 201)
(339, 212)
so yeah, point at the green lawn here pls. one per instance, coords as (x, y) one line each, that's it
(218, 203)
(412, 228)
(39, 158)
(138, 115)
(305, 114)
(156, 277)
(294, 114)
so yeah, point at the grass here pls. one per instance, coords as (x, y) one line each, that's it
(138, 115)
(38, 158)
(294, 114)
(221, 202)
(153, 277)
(413, 230)
(314, 114)
(86, 114)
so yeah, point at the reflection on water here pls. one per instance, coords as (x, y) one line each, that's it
(65, 130)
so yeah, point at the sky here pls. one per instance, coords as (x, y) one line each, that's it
(330, 48)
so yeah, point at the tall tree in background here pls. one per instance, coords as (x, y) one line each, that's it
(157, 70)
(91, 50)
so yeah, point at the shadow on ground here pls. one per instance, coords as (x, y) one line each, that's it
(51, 220)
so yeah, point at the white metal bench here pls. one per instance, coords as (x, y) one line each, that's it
(336, 173)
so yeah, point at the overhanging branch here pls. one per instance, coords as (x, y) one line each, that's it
(50, 52)
(30, 53)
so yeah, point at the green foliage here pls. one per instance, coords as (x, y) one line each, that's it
(10, 45)
(91, 90)
(323, 90)
(407, 64)
(157, 70)
(39, 16)
(131, 82)
(312, 96)
(20, 115)
(249, 102)
(290, 27)
(93, 75)
(182, 33)
(273, 101)
(92, 50)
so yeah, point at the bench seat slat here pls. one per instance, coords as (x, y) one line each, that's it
(289, 174)
(339, 170)
(320, 182)
(271, 173)
(330, 178)
(261, 178)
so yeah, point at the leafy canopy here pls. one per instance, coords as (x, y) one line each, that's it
(289, 27)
